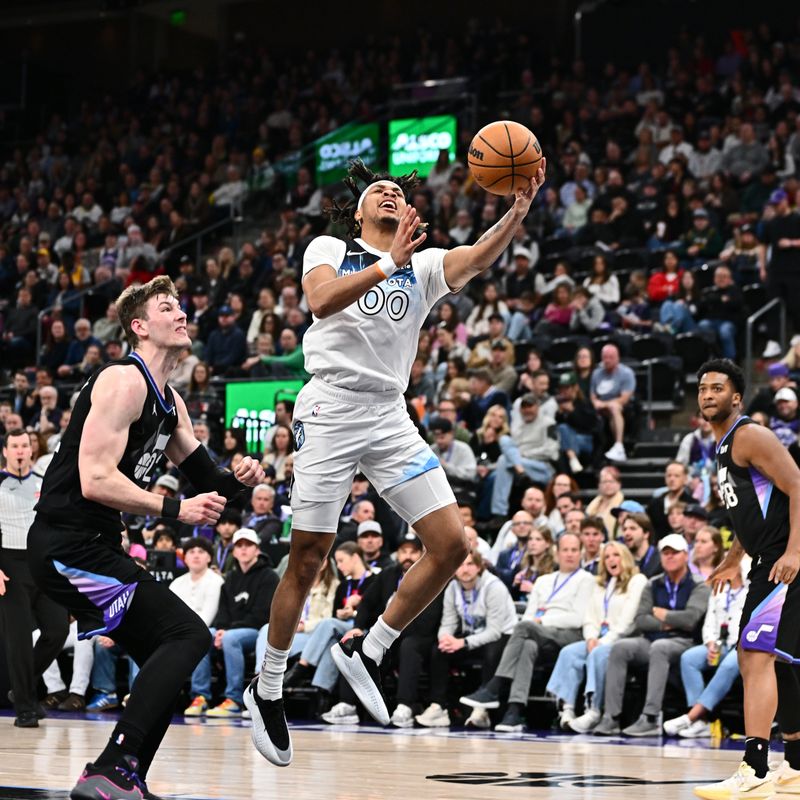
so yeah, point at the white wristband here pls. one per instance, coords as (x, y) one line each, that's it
(386, 266)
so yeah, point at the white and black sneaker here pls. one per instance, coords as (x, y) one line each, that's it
(363, 675)
(269, 732)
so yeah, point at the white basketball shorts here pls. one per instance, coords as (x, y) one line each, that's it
(337, 433)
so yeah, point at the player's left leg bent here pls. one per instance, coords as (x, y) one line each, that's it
(408, 476)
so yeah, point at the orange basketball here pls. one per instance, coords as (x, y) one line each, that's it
(504, 156)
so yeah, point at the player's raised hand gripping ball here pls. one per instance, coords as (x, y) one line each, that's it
(504, 156)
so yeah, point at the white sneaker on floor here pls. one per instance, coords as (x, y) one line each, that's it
(565, 717)
(673, 726)
(586, 722)
(434, 716)
(479, 718)
(342, 714)
(771, 350)
(743, 783)
(616, 452)
(699, 729)
(403, 717)
(786, 779)
(575, 465)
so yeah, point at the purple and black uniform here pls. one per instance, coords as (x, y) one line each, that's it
(759, 512)
(75, 545)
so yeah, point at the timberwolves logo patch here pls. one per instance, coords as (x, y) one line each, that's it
(299, 434)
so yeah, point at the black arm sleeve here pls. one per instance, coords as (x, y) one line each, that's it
(206, 476)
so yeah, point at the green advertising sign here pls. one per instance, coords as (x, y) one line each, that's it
(337, 149)
(251, 405)
(415, 143)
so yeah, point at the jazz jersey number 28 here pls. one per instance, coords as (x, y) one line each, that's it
(726, 488)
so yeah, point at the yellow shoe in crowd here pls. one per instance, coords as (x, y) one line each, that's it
(198, 707)
(227, 709)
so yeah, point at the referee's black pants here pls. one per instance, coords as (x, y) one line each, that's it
(24, 608)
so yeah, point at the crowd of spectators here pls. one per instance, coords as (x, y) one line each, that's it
(654, 174)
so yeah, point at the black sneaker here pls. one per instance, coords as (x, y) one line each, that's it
(481, 698)
(27, 719)
(512, 722)
(270, 733)
(53, 700)
(363, 675)
(120, 782)
(40, 712)
(298, 675)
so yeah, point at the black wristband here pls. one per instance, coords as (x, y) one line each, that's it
(170, 508)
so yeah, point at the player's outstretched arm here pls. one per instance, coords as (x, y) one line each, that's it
(759, 447)
(461, 264)
(328, 294)
(117, 399)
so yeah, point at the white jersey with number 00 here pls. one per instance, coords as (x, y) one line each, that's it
(370, 345)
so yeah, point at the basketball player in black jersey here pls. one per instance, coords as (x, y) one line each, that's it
(125, 419)
(760, 485)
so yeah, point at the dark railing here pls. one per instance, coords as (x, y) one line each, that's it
(751, 321)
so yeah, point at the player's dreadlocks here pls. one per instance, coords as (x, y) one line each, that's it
(344, 212)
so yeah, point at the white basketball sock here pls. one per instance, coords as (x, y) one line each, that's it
(270, 681)
(379, 639)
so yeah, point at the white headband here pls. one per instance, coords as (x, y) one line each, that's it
(364, 193)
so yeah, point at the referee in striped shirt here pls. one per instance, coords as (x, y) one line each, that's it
(23, 607)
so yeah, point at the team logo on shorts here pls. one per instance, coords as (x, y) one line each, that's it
(299, 434)
(315, 411)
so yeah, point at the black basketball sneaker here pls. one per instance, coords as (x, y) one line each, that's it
(363, 675)
(270, 733)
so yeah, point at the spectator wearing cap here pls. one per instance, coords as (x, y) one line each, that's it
(456, 458)
(701, 242)
(785, 423)
(482, 349)
(226, 348)
(200, 587)
(410, 653)
(244, 606)
(675, 490)
(694, 518)
(764, 399)
(230, 520)
(781, 239)
(521, 278)
(530, 450)
(201, 313)
(678, 147)
(721, 310)
(612, 386)
(577, 421)
(501, 368)
(370, 540)
(477, 620)
(483, 395)
(705, 160)
(792, 357)
(638, 534)
(670, 608)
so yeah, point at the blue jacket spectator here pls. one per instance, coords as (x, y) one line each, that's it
(226, 348)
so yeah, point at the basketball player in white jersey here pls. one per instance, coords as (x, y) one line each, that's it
(369, 296)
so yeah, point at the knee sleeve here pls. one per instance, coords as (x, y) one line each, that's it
(788, 677)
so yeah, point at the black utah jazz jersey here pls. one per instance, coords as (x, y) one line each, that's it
(62, 502)
(758, 509)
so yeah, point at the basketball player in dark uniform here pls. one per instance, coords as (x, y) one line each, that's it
(760, 485)
(125, 419)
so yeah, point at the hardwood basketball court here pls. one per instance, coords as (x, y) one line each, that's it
(214, 759)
